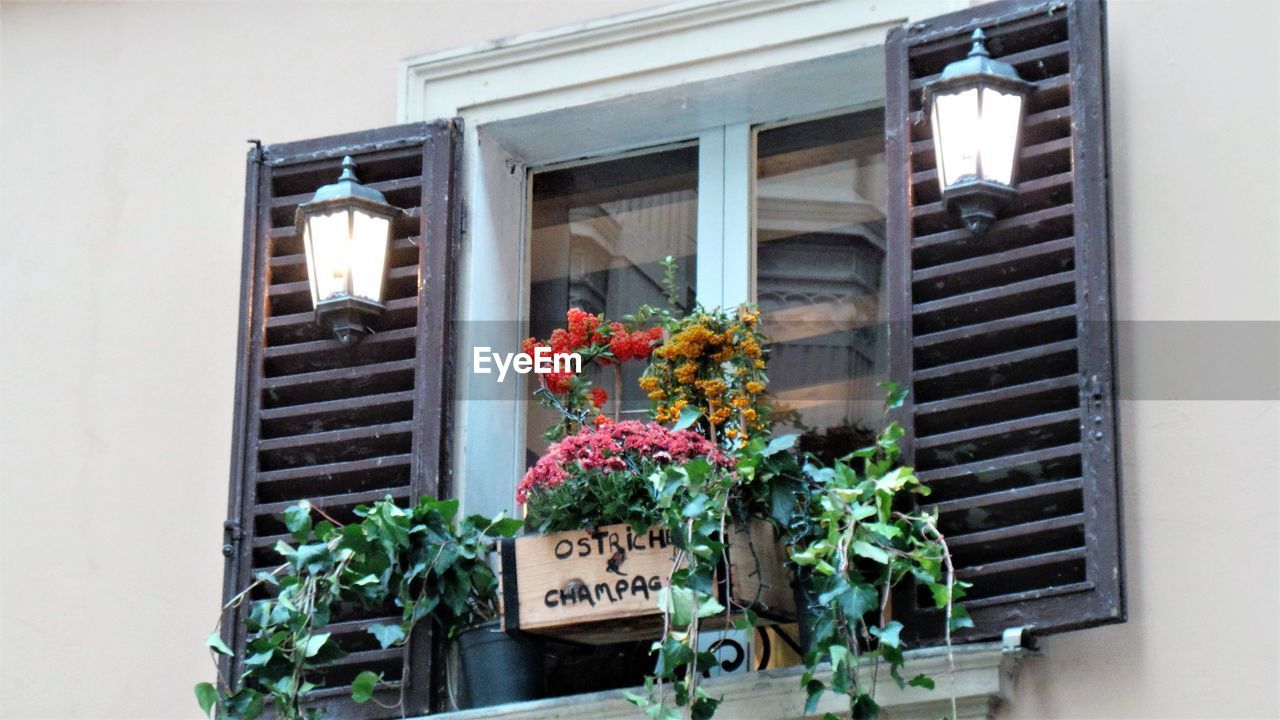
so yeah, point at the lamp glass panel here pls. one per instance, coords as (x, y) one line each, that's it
(956, 132)
(328, 248)
(1001, 115)
(369, 234)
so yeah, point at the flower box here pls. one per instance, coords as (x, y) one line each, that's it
(601, 586)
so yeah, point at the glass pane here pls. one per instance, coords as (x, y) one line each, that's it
(1001, 121)
(820, 247)
(368, 255)
(955, 136)
(599, 234)
(328, 242)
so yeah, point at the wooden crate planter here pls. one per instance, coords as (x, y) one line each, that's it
(602, 586)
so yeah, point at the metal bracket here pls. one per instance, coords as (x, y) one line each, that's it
(1019, 640)
(231, 534)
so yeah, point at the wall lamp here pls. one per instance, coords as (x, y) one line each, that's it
(976, 108)
(346, 233)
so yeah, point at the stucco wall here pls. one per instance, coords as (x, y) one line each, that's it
(121, 155)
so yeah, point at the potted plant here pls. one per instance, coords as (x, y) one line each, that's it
(425, 560)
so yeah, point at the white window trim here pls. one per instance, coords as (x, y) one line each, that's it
(699, 68)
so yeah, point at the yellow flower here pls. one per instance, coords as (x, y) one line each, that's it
(687, 372)
(755, 386)
(657, 395)
(649, 382)
(750, 348)
(740, 401)
(749, 415)
(759, 364)
(712, 388)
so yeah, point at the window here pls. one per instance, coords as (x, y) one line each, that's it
(975, 324)
(599, 229)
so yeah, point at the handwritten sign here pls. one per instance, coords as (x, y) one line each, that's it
(602, 585)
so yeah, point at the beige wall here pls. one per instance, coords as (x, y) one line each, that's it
(121, 154)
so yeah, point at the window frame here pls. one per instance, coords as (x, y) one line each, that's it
(711, 70)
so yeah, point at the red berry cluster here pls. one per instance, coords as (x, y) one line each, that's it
(636, 345)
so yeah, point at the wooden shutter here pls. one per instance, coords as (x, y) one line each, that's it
(1005, 339)
(340, 426)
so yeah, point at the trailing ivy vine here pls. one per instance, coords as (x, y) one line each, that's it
(423, 560)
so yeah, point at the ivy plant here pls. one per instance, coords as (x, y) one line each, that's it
(424, 560)
(853, 537)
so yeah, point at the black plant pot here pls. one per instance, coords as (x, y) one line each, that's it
(495, 668)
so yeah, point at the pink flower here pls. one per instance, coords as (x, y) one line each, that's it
(607, 447)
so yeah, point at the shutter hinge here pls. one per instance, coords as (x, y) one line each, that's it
(231, 537)
(1094, 402)
(257, 150)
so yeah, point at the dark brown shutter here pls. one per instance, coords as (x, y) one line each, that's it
(1005, 339)
(341, 426)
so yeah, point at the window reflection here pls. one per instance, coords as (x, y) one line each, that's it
(599, 234)
(820, 247)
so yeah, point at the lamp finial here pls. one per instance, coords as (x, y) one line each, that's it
(348, 170)
(979, 48)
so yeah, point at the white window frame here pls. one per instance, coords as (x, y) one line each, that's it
(705, 69)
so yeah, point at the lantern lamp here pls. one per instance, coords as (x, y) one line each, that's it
(346, 232)
(976, 108)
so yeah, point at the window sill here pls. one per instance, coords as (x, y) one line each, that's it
(983, 679)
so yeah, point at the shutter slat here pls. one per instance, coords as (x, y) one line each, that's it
(1016, 322)
(341, 500)
(1001, 497)
(949, 279)
(301, 326)
(1008, 393)
(1002, 337)
(1005, 234)
(1003, 464)
(1002, 428)
(334, 469)
(957, 542)
(1021, 564)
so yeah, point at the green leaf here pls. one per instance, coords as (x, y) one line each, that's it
(688, 416)
(814, 688)
(215, 642)
(923, 681)
(839, 655)
(298, 520)
(895, 394)
(780, 443)
(889, 633)
(506, 528)
(362, 687)
(387, 635)
(871, 552)
(864, 708)
(207, 696)
(960, 618)
(314, 643)
(696, 506)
